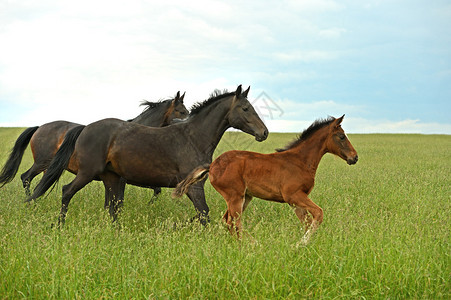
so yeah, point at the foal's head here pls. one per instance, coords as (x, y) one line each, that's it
(337, 142)
(242, 116)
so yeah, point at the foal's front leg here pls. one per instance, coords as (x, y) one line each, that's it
(303, 205)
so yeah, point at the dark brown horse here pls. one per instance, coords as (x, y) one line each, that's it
(286, 176)
(46, 139)
(145, 156)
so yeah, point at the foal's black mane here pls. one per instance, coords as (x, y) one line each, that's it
(214, 96)
(318, 124)
(151, 106)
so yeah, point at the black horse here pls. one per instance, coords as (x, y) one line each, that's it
(46, 139)
(110, 149)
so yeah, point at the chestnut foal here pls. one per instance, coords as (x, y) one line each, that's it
(284, 176)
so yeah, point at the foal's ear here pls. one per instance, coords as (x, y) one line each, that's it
(339, 120)
(238, 91)
(246, 92)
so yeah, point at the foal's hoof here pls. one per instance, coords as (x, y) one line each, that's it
(302, 243)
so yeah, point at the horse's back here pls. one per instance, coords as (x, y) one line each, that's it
(48, 138)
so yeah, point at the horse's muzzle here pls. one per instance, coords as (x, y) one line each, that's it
(262, 137)
(352, 160)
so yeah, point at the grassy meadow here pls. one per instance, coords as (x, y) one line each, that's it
(386, 234)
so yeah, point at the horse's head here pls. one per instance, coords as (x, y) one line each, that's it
(177, 109)
(242, 116)
(338, 143)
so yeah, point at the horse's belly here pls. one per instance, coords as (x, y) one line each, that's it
(149, 177)
(265, 192)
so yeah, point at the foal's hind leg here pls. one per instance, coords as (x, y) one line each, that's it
(234, 212)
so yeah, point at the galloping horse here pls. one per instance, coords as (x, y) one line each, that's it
(146, 156)
(284, 176)
(46, 139)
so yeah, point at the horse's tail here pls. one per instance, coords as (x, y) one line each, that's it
(196, 175)
(15, 157)
(59, 163)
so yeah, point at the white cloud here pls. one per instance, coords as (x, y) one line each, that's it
(332, 33)
(359, 125)
(314, 6)
(86, 60)
(306, 56)
(293, 110)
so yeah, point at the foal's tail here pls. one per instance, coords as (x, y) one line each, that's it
(15, 157)
(196, 175)
(59, 163)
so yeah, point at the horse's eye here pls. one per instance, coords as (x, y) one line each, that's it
(245, 108)
(342, 137)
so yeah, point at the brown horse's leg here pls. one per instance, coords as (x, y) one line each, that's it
(234, 212)
(303, 204)
(31, 173)
(303, 216)
(247, 199)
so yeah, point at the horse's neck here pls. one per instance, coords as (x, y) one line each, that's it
(207, 127)
(154, 118)
(311, 151)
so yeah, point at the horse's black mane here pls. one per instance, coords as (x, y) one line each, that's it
(214, 96)
(318, 124)
(151, 106)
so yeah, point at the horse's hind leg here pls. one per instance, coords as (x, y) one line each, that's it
(234, 212)
(31, 173)
(197, 195)
(108, 183)
(236, 219)
(114, 192)
(247, 199)
(69, 191)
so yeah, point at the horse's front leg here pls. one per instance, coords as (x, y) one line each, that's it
(114, 192)
(197, 195)
(302, 207)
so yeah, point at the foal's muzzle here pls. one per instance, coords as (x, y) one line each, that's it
(352, 160)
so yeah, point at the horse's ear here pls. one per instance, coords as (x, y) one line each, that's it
(182, 97)
(339, 120)
(238, 91)
(246, 92)
(177, 97)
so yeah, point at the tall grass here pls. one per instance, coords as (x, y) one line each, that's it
(385, 234)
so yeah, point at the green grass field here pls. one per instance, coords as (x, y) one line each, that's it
(386, 234)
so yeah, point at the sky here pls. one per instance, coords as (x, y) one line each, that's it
(386, 65)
